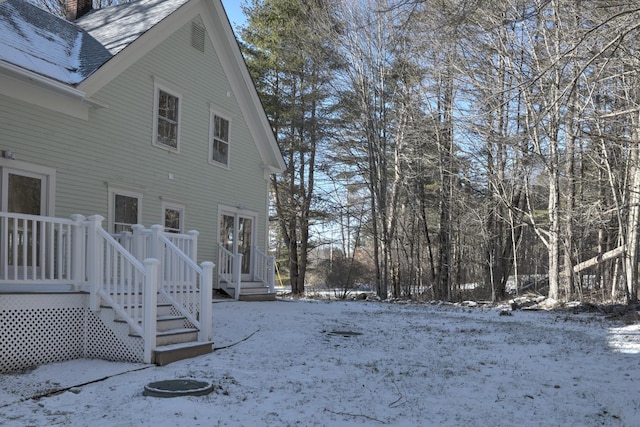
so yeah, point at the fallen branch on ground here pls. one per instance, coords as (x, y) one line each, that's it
(354, 415)
(53, 392)
(238, 342)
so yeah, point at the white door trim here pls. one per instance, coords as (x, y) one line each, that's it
(47, 174)
(237, 213)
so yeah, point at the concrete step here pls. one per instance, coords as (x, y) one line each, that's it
(164, 309)
(258, 297)
(176, 336)
(251, 291)
(171, 353)
(165, 322)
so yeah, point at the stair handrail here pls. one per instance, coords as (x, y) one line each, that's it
(230, 268)
(116, 276)
(180, 278)
(264, 268)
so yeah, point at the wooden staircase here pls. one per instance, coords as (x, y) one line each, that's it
(249, 291)
(176, 338)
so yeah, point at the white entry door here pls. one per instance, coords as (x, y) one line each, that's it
(23, 190)
(26, 188)
(236, 236)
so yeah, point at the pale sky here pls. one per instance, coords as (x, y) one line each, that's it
(234, 12)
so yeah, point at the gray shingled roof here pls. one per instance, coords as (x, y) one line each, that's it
(118, 26)
(38, 41)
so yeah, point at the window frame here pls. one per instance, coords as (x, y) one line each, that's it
(176, 207)
(174, 92)
(113, 192)
(213, 113)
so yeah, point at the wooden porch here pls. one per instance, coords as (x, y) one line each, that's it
(69, 289)
(138, 296)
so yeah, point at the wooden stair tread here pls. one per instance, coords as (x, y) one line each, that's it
(177, 331)
(166, 354)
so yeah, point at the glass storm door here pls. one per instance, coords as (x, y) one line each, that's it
(236, 235)
(25, 193)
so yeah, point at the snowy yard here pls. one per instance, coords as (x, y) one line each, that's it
(304, 363)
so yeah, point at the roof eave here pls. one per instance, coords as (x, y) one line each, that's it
(274, 162)
(40, 90)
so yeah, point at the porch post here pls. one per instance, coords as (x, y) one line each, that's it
(193, 252)
(254, 262)
(138, 248)
(94, 261)
(78, 252)
(272, 273)
(150, 308)
(206, 291)
(156, 229)
(237, 274)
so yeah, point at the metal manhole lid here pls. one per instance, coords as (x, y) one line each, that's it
(177, 387)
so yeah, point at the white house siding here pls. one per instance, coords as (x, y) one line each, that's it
(114, 148)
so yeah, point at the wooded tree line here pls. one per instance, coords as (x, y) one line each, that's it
(449, 145)
(456, 142)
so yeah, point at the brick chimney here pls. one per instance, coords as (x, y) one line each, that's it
(77, 8)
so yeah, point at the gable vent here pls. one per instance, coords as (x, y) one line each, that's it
(197, 36)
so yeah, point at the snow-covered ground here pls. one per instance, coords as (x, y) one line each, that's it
(302, 363)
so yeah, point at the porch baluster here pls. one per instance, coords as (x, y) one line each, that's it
(206, 291)
(94, 261)
(237, 274)
(78, 261)
(150, 307)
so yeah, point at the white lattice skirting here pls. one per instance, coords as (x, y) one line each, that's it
(37, 329)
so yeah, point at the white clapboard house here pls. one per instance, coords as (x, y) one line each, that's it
(135, 159)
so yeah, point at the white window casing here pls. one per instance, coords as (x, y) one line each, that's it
(219, 138)
(173, 217)
(125, 209)
(167, 112)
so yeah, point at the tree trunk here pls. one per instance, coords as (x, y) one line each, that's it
(631, 255)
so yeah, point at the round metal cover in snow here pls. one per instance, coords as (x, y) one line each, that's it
(178, 387)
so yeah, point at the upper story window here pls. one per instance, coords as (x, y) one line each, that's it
(219, 140)
(166, 118)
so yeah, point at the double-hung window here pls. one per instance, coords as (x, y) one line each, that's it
(166, 118)
(219, 140)
(173, 217)
(124, 210)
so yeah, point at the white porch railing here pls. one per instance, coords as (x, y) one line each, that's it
(49, 251)
(185, 284)
(264, 268)
(119, 279)
(41, 250)
(230, 268)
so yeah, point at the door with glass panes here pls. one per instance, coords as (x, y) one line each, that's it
(236, 236)
(23, 192)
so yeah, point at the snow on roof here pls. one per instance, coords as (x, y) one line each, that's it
(36, 40)
(118, 26)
